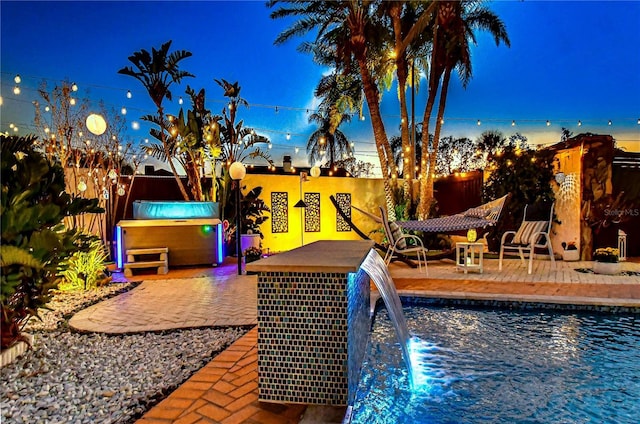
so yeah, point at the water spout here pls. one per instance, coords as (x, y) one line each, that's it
(375, 267)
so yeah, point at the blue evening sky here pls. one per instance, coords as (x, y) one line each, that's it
(568, 61)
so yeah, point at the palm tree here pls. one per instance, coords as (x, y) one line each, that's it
(453, 25)
(326, 140)
(157, 71)
(347, 31)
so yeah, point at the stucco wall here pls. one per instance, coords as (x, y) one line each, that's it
(567, 194)
(366, 194)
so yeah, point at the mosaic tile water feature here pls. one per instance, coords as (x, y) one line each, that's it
(313, 330)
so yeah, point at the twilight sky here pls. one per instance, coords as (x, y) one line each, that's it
(568, 61)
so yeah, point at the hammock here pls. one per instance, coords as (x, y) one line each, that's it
(479, 217)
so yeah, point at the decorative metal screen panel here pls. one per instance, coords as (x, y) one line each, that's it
(279, 212)
(344, 201)
(312, 213)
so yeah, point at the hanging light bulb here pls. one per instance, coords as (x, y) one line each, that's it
(180, 101)
(270, 145)
(129, 94)
(609, 122)
(17, 79)
(113, 174)
(123, 111)
(82, 186)
(16, 90)
(72, 101)
(579, 123)
(74, 87)
(46, 108)
(121, 191)
(513, 123)
(135, 125)
(441, 121)
(288, 136)
(362, 117)
(479, 123)
(548, 122)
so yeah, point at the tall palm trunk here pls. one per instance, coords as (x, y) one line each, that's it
(436, 134)
(426, 172)
(408, 153)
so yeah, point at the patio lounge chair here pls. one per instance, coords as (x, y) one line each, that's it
(479, 217)
(401, 243)
(533, 233)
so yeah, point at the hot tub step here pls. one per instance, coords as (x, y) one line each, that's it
(162, 263)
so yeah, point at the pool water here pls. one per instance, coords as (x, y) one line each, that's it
(503, 366)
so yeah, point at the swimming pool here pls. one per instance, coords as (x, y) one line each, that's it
(481, 365)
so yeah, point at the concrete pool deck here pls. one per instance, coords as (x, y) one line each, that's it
(226, 390)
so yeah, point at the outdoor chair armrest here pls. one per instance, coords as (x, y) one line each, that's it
(536, 238)
(416, 239)
(504, 236)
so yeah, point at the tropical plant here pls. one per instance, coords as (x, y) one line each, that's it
(253, 210)
(157, 71)
(348, 32)
(190, 140)
(85, 270)
(525, 174)
(35, 242)
(453, 24)
(324, 141)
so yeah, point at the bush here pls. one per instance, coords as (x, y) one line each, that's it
(85, 270)
(35, 242)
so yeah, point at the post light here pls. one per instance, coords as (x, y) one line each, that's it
(96, 124)
(237, 172)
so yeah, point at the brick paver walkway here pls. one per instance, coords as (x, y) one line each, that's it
(226, 390)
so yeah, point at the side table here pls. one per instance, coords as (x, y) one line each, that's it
(469, 256)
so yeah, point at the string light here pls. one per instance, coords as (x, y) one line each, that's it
(72, 101)
(579, 123)
(288, 136)
(609, 122)
(548, 123)
(479, 123)
(17, 79)
(16, 90)
(128, 94)
(180, 101)
(123, 111)
(74, 87)
(513, 123)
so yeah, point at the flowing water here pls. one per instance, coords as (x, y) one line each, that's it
(375, 267)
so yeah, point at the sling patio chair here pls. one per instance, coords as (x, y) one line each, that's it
(533, 233)
(402, 243)
(482, 216)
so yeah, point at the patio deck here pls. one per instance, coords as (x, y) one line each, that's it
(226, 390)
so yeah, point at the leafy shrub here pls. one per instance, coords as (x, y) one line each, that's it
(35, 242)
(85, 270)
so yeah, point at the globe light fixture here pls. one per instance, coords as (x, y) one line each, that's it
(96, 124)
(315, 171)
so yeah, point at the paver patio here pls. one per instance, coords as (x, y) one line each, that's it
(226, 390)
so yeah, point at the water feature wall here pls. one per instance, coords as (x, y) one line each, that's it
(313, 323)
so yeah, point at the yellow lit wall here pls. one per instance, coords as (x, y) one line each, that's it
(366, 194)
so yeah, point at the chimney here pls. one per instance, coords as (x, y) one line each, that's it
(149, 170)
(286, 164)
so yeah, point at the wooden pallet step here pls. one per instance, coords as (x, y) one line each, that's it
(151, 251)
